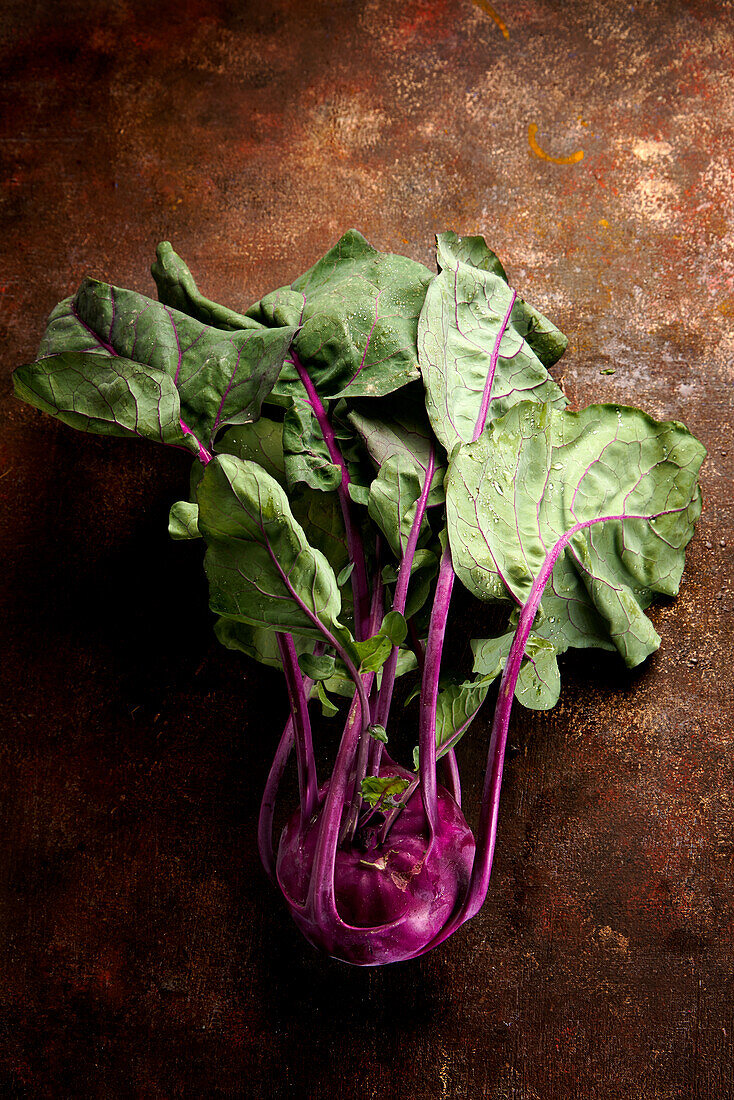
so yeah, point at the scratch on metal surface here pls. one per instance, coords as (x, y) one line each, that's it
(494, 15)
(573, 159)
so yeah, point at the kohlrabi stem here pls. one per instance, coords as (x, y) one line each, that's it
(360, 587)
(321, 901)
(487, 831)
(366, 742)
(401, 591)
(429, 688)
(270, 795)
(307, 782)
(453, 784)
(272, 785)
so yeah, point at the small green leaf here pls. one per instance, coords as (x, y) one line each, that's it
(328, 709)
(183, 520)
(307, 459)
(360, 494)
(379, 733)
(345, 574)
(539, 682)
(376, 790)
(372, 652)
(316, 667)
(394, 627)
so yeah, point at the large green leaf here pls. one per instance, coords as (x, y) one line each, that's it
(539, 475)
(474, 360)
(356, 311)
(544, 338)
(319, 514)
(94, 392)
(176, 288)
(101, 344)
(261, 567)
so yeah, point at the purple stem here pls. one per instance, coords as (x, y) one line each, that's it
(429, 688)
(487, 831)
(489, 381)
(401, 591)
(360, 587)
(307, 782)
(321, 901)
(366, 742)
(270, 795)
(272, 785)
(453, 780)
(204, 456)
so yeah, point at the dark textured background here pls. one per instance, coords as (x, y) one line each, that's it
(143, 953)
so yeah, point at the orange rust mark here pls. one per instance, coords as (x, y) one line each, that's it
(573, 159)
(493, 15)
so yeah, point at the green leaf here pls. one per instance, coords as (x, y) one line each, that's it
(360, 494)
(394, 627)
(176, 288)
(114, 361)
(260, 643)
(183, 520)
(317, 667)
(356, 311)
(260, 442)
(328, 709)
(319, 514)
(107, 396)
(372, 652)
(345, 574)
(393, 497)
(425, 568)
(378, 732)
(464, 321)
(539, 682)
(398, 438)
(544, 338)
(456, 708)
(307, 459)
(451, 249)
(539, 476)
(261, 567)
(381, 789)
(398, 425)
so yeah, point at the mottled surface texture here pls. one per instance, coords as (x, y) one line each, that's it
(142, 951)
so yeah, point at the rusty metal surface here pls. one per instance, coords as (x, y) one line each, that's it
(142, 952)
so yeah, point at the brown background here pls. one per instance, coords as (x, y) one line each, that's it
(142, 951)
